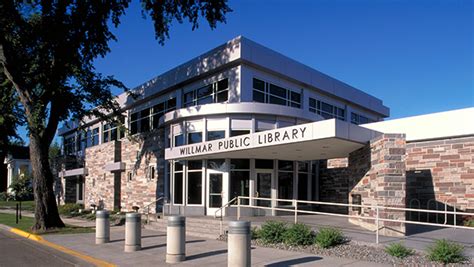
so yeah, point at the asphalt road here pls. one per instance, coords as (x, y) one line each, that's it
(18, 251)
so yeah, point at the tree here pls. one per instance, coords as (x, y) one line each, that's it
(47, 49)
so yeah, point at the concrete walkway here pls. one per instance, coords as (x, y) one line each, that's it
(199, 252)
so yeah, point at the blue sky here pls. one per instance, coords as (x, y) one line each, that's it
(417, 56)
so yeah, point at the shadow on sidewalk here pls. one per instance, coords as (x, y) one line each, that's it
(206, 254)
(164, 245)
(293, 262)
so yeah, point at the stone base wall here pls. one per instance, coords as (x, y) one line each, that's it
(99, 183)
(440, 171)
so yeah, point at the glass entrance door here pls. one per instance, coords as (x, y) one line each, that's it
(215, 196)
(263, 188)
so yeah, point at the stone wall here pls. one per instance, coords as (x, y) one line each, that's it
(99, 183)
(441, 171)
(375, 175)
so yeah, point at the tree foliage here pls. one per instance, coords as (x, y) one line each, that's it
(47, 49)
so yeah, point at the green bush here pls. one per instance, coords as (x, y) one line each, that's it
(398, 250)
(298, 235)
(446, 252)
(469, 223)
(328, 237)
(272, 231)
(255, 232)
(69, 208)
(4, 196)
(22, 188)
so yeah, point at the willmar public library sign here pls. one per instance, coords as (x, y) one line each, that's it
(303, 132)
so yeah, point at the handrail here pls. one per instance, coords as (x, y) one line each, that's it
(220, 209)
(224, 206)
(147, 207)
(377, 218)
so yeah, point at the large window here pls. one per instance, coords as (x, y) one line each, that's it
(239, 179)
(95, 136)
(285, 181)
(178, 140)
(149, 118)
(178, 183)
(69, 144)
(326, 110)
(194, 138)
(269, 93)
(195, 182)
(215, 135)
(303, 172)
(112, 132)
(217, 92)
(359, 119)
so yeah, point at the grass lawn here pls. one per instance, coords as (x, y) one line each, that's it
(25, 205)
(26, 222)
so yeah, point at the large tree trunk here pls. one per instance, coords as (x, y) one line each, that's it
(46, 210)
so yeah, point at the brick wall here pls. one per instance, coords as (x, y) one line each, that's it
(440, 171)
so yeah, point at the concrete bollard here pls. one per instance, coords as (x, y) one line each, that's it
(238, 243)
(102, 227)
(133, 232)
(176, 239)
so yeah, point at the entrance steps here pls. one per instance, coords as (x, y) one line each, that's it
(204, 227)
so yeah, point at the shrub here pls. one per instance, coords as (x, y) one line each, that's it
(469, 223)
(69, 208)
(22, 188)
(328, 237)
(272, 231)
(298, 235)
(446, 252)
(398, 250)
(4, 196)
(255, 232)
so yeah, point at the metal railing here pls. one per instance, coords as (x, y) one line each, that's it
(375, 218)
(147, 207)
(221, 209)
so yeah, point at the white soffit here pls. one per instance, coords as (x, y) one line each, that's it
(430, 126)
(311, 141)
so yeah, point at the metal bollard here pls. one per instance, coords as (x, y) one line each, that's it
(238, 243)
(133, 232)
(176, 239)
(102, 227)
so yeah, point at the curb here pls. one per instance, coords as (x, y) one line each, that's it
(41, 240)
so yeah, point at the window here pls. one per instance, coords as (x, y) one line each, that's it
(264, 164)
(217, 92)
(285, 180)
(69, 145)
(359, 119)
(178, 183)
(270, 93)
(194, 138)
(238, 132)
(95, 136)
(84, 137)
(215, 135)
(130, 176)
(178, 140)
(326, 110)
(149, 118)
(195, 182)
(152, 172)
(239, 179)
(303, 172)
(112, 132)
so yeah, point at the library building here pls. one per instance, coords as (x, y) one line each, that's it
(243, 121)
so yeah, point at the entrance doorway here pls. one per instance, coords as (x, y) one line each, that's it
(216, 196)
(263, 187)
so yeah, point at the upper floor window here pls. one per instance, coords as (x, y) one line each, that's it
(95, 136)
(359, 119)
(326, 110)
(112, 132)
(149, 118)
(217, 92)
(264, 92)
(69, 144)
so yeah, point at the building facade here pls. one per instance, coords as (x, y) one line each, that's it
(243, 120)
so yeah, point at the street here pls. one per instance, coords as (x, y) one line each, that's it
(19, 251)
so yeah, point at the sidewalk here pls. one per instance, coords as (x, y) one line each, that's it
(199, 252)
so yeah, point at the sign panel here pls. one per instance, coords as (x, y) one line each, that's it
(285, 135)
